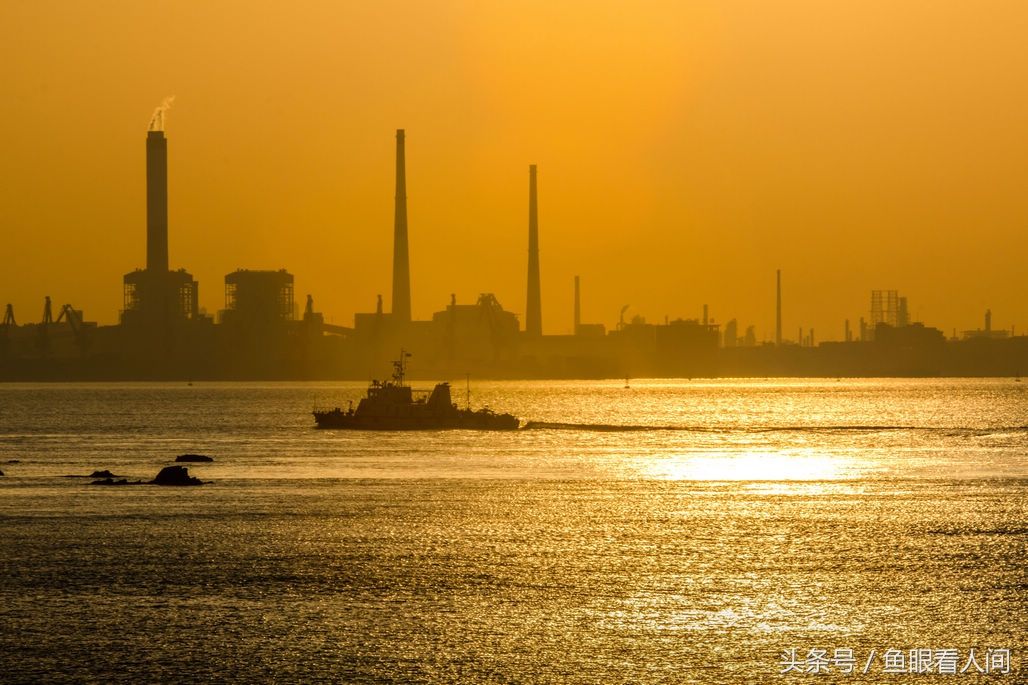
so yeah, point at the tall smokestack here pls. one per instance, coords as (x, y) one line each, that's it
(401, 259)
(534, 308)
(156, 202)
(578, 306)
(778, 309)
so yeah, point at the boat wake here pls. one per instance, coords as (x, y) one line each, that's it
(616, 428)
(610, 427)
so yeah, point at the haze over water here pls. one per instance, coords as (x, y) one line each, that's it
(673, 531)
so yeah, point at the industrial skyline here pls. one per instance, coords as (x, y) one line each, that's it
(683, 156)
(178, 289)
(163, 333)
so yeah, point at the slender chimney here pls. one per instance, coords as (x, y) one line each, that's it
(705, 312)
(578, 306)
(534, 307)
(401, 259)
(156, 202)
(988, 321)
(778, 310)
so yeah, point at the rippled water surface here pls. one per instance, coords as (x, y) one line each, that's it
(666, 532)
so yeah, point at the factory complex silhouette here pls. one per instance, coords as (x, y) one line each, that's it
(163, 334)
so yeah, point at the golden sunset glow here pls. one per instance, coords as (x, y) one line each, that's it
(767, 465)
(685, 151)
(520, 341)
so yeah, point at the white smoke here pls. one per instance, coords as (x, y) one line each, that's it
(157, 120)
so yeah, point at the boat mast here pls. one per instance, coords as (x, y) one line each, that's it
(398, 367)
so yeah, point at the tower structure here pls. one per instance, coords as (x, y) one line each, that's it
(156, 202)
(534, 307)
(778, 307)
(902, 312)
(885, 307)
(156, 297)
(578, 306)
(401, 259)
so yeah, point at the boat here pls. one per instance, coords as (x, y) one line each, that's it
(394, 406)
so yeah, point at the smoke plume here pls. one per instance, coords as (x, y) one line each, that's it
(157, 120)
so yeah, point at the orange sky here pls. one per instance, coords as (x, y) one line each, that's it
(685, 151)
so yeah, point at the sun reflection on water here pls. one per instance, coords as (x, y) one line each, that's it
(795, 465)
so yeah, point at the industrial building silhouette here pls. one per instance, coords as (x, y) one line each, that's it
(163, 334)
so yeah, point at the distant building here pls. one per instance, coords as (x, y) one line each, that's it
(479, 332)
(687, 347)
(913, 336)
(902, 313)
(750, 339)
(155, 298)
(885, 308)
(988, 331)
(258, 298)
(731, 336)
(591, 330)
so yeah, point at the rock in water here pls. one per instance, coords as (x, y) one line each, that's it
(198, 458)
(1, 473)
(175, 475)
(102, 474)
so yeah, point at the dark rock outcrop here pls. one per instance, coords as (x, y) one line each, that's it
(175, 475)
(193, 458)
(1, 473)
(97, 474)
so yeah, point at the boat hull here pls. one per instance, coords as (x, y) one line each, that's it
(393, 406)
(340, 420)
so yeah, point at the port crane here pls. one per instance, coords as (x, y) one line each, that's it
(43, 333)
(5, 328)
(75, 322)
(43, 330)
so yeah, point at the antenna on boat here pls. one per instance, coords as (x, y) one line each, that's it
(399, 366)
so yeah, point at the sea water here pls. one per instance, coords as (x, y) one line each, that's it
(665, 532)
